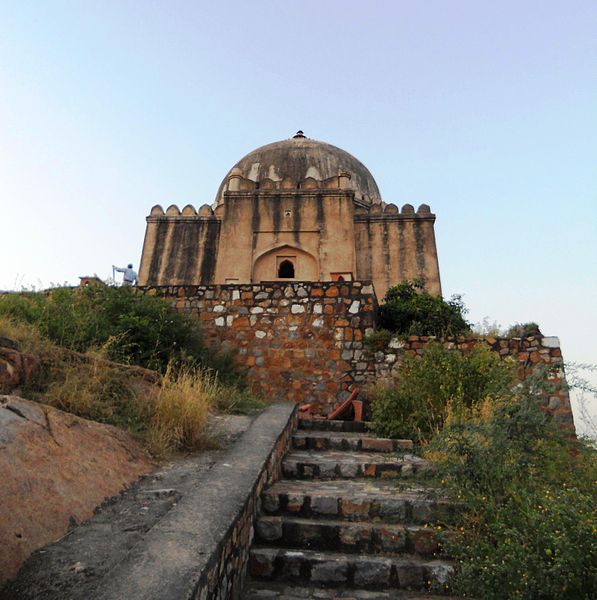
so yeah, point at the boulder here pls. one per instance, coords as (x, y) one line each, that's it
(16, 368)
(55, 469)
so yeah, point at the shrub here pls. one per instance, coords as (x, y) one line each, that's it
(168, 416)
(125, 325)
(408, 309)
(378, 340)
(529, 498)
(427, 387)
(522, 330)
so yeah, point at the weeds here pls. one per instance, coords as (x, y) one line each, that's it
(179, 411)
(167, 414)
(522, 330)
(529, 492)
(124, 324)
(378, 340)
(525, 487)
(430, 386)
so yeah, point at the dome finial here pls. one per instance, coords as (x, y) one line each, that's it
(299, 134)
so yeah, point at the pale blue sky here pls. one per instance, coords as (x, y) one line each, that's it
(485, 111)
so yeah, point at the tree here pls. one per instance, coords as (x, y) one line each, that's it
(408, 309)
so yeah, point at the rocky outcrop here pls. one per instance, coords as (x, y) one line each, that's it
(55, 468)
(16, 368)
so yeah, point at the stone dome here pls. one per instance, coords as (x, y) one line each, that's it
(299, 158)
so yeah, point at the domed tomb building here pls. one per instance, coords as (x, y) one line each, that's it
(294, 210)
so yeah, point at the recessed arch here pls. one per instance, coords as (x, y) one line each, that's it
(285, 262)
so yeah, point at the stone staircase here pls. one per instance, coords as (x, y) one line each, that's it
(349, 519)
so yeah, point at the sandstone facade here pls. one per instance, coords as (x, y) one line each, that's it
(296, 210)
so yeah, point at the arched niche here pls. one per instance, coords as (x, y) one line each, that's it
(282, 262)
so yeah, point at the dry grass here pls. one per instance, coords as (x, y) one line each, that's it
(98, 392)
(180, 411)
(28, 337)
(168, 416)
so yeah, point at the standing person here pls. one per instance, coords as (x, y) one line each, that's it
(129, 277)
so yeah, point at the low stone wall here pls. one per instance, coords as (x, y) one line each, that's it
(225, 573)
(301, 341)
(530, 353)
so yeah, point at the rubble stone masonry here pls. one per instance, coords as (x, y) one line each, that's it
(304, 342)
(530, 353)
(300, 341)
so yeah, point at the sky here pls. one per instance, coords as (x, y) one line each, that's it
(486, 111)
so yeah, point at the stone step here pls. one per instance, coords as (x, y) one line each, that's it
(360, 571)
(331, 440)
(258, 590)
(347, 536)
(333, 425)
(332, 464)
(357, 500)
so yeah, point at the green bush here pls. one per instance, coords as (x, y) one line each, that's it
(429, 386)
(167, 414)
(529, 496)
(408, 309)
(125, 325)
(522, 330)
(378, 340)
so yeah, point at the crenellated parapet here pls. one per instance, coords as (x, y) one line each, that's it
(391, 212)
(188, 213)
(238, 184)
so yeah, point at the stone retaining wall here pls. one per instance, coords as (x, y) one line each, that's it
(300, 341)
(530, 353)
(304, 342)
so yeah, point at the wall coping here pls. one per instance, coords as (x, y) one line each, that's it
(260, 285)
(397, 342)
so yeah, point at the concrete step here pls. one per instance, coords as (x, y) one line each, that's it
(359, 571)
(331, 440)
(332, 464)
(258, 590)
(347, 536)
(333, 425)
(357, 500)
